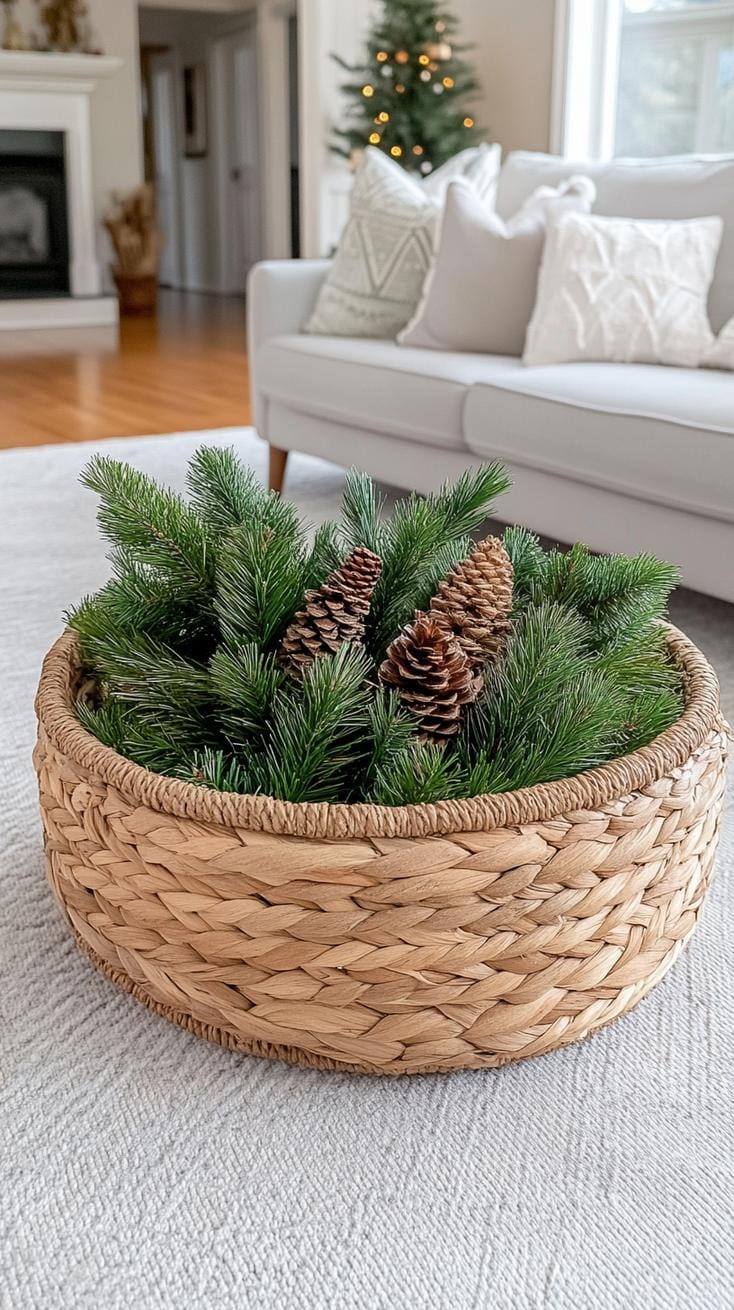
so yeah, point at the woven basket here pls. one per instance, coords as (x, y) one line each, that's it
(461, 935)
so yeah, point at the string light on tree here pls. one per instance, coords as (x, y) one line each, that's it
(412, 89)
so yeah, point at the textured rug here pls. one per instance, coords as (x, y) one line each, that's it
(143, 1168)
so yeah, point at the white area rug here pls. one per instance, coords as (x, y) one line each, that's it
(144, 1168)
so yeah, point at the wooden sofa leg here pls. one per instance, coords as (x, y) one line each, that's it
(276, 473)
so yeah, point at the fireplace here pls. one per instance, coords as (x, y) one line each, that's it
(34, 236)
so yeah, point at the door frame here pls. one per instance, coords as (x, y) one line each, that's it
(220, 81)
(270, 21)
(169, 58)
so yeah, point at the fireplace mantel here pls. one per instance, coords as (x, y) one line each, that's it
(53, 92)
(34, 70)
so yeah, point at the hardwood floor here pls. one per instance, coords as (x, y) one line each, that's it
(182, 370)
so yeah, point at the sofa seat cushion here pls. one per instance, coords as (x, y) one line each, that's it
(418, 395)
(663, 434)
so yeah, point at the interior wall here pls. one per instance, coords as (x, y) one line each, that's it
(514, 59)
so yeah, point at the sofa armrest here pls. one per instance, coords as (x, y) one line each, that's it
(281, 294)
(280, 297)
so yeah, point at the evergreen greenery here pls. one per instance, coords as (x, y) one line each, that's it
(411, 94)
(184, 643)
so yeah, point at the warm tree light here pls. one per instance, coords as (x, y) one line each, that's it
(368, 91)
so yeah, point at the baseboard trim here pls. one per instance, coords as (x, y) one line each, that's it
(71, 311)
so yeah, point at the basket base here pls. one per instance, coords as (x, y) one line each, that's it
(294, 1055)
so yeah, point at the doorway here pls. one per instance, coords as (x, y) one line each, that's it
(220, 99)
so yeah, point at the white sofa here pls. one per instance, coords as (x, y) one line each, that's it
(623, 457)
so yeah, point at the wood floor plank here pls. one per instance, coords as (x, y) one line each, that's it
(182, 370)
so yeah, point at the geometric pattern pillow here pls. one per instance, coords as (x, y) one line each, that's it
(625, 291)
(378, 271)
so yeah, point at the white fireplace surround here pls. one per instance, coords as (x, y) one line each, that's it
(52, 92)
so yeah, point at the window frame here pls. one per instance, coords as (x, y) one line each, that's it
(587, 45)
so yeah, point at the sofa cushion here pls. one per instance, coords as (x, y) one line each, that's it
(662, 434)
(415, 394)
(686, 187)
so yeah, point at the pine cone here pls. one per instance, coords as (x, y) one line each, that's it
(335, 613)
(475, 601)
(432, 675)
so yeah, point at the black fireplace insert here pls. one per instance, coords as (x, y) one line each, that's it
(34, 231)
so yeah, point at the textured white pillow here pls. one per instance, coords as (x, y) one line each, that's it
(478, 165)
(481, 290)
(624, 290)
(721, 352)
(385, 251)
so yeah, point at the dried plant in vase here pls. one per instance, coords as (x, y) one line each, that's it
(65, 24)
(13, 38)
(133, 228)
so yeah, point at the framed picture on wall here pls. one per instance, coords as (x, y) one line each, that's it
(195, 124)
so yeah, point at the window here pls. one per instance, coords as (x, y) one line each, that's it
(645, 77)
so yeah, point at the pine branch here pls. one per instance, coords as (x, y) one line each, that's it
(326, 555)
(528, 564)
(139, 599)
(362, 511)
(244, 684)
(391, 731)
(156, 526)
(648, 715)
(621, 596)
(222, 772)
(318, 731)
(260, 582)
(420, 774)
(464, 505)
(223, 491)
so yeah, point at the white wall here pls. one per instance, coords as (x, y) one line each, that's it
(514, 59)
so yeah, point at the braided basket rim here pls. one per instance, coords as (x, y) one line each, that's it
(584, 791)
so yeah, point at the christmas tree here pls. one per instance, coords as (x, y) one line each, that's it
(410, 97)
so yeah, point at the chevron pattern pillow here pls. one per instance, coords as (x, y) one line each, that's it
(377, 276)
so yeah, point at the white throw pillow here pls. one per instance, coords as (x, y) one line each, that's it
(478, 165)
(721, 352)
(385, 251)
(480, 293)
(624, 291)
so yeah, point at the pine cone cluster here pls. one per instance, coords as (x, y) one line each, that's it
(475, 601)
(433, 677)
(333, 614)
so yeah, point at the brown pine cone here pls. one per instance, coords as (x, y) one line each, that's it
(475, 602)
(432, 675)
(335, 613)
